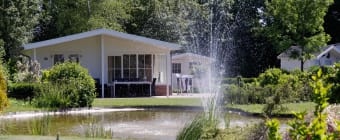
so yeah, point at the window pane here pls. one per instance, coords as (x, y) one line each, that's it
(133, 73)
(74, 58)
(117, 62)
(148, 61)
(141, 61)
(148, 74)
(117, 74)
(126, 73)
(133, 61)
(126, 61)
(58, 58)
(141, 74)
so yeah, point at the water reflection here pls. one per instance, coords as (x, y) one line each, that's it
(139, 124)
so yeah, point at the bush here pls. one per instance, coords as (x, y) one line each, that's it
(270, 77)
(55, 96)
(271, 84)
(24, 90)
(73, 80)
(3, 89)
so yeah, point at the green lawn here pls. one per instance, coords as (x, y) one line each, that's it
(18, 106)
(128, 102)
(257, 108)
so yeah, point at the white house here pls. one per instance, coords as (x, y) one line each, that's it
(111, 57)
(327, 56)
(188, 71)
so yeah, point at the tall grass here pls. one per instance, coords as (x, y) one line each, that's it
(204, 126)
(40, 126)
(93, 129)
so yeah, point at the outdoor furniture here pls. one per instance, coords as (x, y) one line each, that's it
(126, 88)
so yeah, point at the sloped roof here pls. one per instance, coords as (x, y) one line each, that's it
(335, 47)
(166, 45)
(323, 50)
(191, 56)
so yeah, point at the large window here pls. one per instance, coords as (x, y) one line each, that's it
(115, 66)
(176, 67)
(144, 67)
(129, 66)
(74, 58)
(58, 58)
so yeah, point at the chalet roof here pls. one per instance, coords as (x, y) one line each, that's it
(68, 38)
(323, 50)
(191, 56)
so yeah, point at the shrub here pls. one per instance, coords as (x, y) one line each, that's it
(334, 79)
(55, 96)
(317, 128)
(24, 90)
(270, 77)
(28, 71)
(3, 89)
(74, 80)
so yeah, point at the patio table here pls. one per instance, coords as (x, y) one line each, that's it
(128, 83)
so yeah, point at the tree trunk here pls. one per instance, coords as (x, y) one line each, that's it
(301, 65)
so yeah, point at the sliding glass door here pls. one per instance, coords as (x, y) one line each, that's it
(131, 67)
(114, 67)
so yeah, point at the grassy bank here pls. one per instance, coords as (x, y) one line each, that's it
(258, 108)
(126, 102)
(19, 106)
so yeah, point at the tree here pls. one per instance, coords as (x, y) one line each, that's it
(296, 23)
(65, 17)
(17, 21)
(332, 22)
(3, 90)
(157, 19)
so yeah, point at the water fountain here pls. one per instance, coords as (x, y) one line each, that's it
(208, 33)
(213, 37)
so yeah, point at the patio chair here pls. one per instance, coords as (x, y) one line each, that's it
(153, 87)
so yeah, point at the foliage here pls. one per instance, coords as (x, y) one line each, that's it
(317, 128)
(270, 77)
(40, 126)
(62, 96)
(3, 90)
(296, 23)
(17, 21)
(82, 85)
(334, 79)
(19, 106)
(203, 126)
(94, 130)
(64, 17)
(199, 128)
(273, 126)
(272, 86)
(25, 91)
(28, 71)
(332, 21)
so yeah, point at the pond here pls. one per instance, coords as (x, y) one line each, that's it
(125, 123)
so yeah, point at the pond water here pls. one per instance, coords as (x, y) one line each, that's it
(125, 124)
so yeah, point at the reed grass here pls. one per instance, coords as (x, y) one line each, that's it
(93, 129)
(40, 126)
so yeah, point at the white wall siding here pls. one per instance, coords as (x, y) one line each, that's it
(291, 64)
(87, 48)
